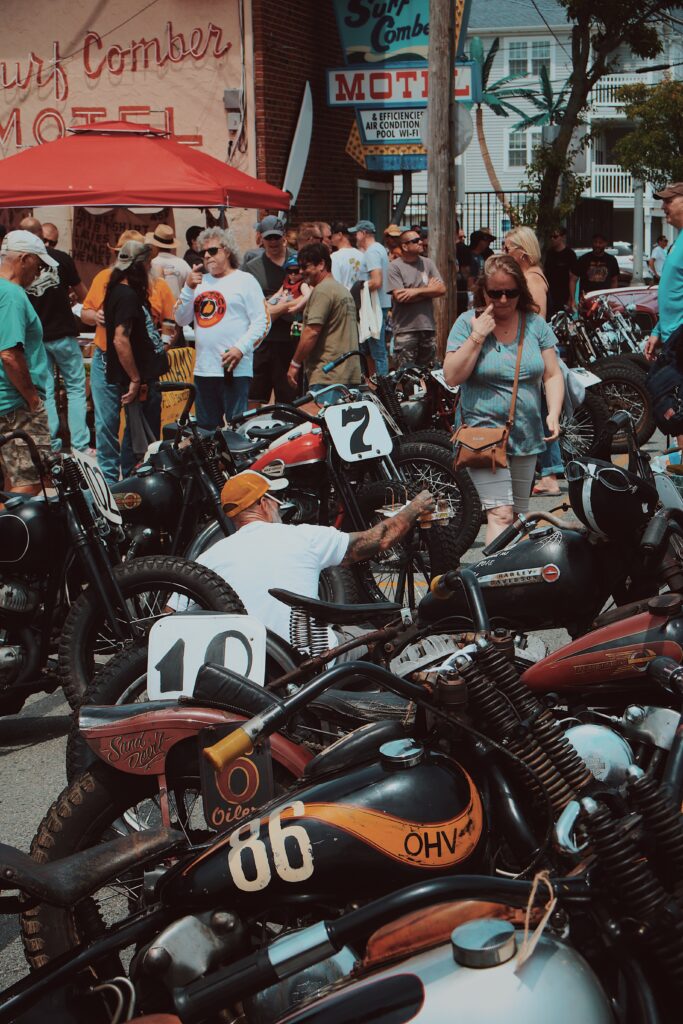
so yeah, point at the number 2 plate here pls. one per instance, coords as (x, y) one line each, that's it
(358, 431)
(99, 488)
(180, 644)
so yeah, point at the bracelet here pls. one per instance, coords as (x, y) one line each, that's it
(297, 366)
(474, 337)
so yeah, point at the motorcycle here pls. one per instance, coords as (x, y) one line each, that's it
(267, 901)
(66, 602)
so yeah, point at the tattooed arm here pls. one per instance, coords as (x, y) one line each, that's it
(386, 533)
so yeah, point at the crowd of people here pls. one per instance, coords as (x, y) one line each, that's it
(265, 324)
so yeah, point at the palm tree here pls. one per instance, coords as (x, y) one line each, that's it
(496, 96)
(551, 108)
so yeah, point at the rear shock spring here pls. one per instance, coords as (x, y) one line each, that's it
(637, 890)
(544, 727)
(210, 462)
(74, 480)
(386, 392)
(494, 709)
(663, 820)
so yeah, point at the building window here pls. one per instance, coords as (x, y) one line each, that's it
(517, 59)
(517, 149)
(535, 139)
(540, 57)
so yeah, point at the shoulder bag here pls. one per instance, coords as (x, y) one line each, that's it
(486, 447)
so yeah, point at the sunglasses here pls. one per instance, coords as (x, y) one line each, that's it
(211, 251)
(50, 242)
(498, 293)
(411, 241)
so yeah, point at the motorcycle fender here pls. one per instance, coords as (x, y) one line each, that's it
(140, 744)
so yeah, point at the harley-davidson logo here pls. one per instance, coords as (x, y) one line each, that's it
(140, 750)
(625, 660)
(550, 573)
(128, 500)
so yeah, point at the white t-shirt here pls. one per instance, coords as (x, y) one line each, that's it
(658, 257)
(348, 266)
(171, 269)
(265, 555)
(227, 312)
(376, 259)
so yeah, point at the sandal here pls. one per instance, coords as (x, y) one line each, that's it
(538, 491)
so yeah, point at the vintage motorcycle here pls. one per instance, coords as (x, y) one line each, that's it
(266, 901)
(65, 601)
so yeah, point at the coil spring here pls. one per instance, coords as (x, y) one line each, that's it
(637, 890)
(496, 712)
(207, 454)
(74, 480)
(544, 727)
(662, 818)
(386, 392)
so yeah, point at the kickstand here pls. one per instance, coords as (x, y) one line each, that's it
(564, 507)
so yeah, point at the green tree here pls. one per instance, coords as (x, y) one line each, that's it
(653, 150)
(598, 30)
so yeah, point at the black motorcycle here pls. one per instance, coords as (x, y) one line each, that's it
(66, 601)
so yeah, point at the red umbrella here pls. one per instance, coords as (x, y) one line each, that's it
(118, 163)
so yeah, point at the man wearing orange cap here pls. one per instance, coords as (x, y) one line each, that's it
(106, 396)
(265, 553)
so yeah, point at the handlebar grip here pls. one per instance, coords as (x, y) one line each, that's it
(667, 673)
(227, 750)
(176, 385)
(305, 399)
(443, 586)
(655, 534)
(503, 539)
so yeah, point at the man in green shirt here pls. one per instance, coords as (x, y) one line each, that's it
(23, 361)
(330, 324)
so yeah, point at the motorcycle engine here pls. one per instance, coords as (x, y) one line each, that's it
(17, 597)
(606, 754)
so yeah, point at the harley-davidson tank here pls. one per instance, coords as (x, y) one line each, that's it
(413, 813)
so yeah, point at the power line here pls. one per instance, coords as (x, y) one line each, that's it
(551, 30)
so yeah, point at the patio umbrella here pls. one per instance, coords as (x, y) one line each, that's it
(118, 163)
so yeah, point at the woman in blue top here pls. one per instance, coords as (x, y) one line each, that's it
(481, 356)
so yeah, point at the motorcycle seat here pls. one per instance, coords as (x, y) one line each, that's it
(343, 614)
(217, 686)
(354, 709)
(239, 443)
(67, 881)
(360, 745)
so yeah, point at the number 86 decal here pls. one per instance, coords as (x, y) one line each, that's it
(290, 847)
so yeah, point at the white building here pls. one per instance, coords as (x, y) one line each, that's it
(534, 34)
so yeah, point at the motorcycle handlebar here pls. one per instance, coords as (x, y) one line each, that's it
(328, 367)
(442, 586)
(655, 535)
(508, 534)
(30, 444)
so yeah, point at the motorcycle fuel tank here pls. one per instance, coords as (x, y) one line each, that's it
(32, 536)
(149, 498)
(354, 835)
(298, 447)
(537, 584)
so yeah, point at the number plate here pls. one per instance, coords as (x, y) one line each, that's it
(587, 378)
(438, 376)
(231, 795)
(358, 431)
(98, 486)
(180, 644)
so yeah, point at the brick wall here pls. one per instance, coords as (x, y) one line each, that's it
(293, 45)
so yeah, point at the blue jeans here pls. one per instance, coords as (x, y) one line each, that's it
(377, 348)
(550, 459)
(217, 397)
(111, 458)
(66, 354)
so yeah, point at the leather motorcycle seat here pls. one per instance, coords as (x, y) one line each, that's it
(220, 687)
(360, 745)
(67, 881)
(342, 614)
(239, 443)
(353, 709)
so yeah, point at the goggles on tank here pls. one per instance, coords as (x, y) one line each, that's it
(611, 477)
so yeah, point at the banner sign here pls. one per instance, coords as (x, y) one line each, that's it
(376, 32)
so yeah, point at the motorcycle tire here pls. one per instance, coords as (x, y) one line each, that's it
(581, 431)
(400, 580)
(441, 438)
(431, 466)
(124, 681)
(85, 634)
(103, 804)
(624, 387)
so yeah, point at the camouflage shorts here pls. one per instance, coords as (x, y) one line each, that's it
(15, 456)
(415, 348)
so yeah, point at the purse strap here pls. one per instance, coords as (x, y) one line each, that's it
(515, 386)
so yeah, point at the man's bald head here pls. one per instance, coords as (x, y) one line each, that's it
(33, 225)
(50, 233)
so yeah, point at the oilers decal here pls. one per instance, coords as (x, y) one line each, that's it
(209, 309)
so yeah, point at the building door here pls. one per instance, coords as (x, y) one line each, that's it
(374, 203)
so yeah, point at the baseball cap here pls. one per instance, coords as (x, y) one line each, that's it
(363, 225)
(272, 226)
(291, 263)
(246, 488)
(131, 253)
(487, 233)
(127, 236)
(675, 189)
(26, 241)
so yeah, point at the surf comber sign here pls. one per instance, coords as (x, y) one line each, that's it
(383, 41)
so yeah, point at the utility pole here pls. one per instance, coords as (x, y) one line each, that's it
(441, 159)
(638, 231)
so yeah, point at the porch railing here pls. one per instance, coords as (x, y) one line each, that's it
(609, 181)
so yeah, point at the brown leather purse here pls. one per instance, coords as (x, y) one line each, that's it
(486, 447)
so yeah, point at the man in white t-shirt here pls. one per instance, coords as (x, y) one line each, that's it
(348, 263)
(165, 264)
(265, 553)
(230, 320)
(377, 267)
(658, 258)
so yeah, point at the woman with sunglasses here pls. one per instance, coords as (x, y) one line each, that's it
(481, 356)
